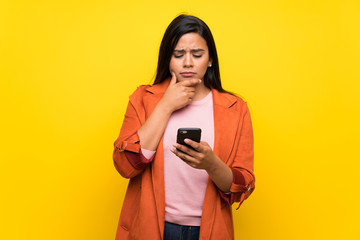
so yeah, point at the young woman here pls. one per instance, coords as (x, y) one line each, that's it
(176, 192)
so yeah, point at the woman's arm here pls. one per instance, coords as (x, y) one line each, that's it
(176, 96)
(128, 158)
(128, 143)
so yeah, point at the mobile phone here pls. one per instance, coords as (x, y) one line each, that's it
(190, 133)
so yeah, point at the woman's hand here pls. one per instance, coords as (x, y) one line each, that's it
(179, 94)
(204, 158)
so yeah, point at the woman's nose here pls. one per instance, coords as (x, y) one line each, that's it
(188, 60)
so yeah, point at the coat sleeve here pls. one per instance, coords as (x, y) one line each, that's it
(243, 166)
(128, 158)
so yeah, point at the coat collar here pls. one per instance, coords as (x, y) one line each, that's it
(159, 88)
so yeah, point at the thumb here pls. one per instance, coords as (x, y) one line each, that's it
(173, 78)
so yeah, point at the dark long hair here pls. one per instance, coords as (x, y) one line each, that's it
(179, 26)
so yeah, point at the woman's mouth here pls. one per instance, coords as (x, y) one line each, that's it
(187, 74)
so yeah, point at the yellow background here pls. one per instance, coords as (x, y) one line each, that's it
(68, 67)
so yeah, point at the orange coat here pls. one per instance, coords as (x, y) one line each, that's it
(143, 211)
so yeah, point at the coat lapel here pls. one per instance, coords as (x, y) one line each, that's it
(154, 95)
(226, 121)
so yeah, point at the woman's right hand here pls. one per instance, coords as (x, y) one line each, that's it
(179, 94)
(176, 96)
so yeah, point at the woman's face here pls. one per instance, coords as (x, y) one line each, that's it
(190, 58)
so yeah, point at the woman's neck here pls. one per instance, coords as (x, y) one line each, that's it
(201, 91)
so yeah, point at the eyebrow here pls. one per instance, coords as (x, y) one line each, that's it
(192, 50)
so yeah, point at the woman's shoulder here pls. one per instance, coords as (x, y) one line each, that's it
(139, 92)
(142, 90)
(230, 99)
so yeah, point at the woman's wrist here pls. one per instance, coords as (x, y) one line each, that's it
(214, 165)
(220, 174)
(165, 107)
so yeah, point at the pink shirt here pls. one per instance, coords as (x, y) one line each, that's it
(185, 186)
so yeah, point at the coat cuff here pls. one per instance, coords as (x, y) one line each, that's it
(138, 160)
(239, 191)
(132, 149)
(131, 144)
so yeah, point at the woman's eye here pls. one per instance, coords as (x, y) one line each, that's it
(178, 56)
(197, 56)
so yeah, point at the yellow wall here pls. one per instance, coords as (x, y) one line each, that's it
(68, 67)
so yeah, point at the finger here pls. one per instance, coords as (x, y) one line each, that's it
(190, 94)
(192, 143)
(191, 82)
(204, 143)
(189, 89)
(185, 157)
(173, 78)
(185, 149)
(191, 164)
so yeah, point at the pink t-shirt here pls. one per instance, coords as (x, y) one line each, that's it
(184, 185)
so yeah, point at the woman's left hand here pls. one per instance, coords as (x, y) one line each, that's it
(202, 158)
(205, 158)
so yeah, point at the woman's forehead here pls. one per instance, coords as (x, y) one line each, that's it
(191, 41)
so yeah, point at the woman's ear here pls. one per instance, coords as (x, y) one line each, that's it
(210, 63)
